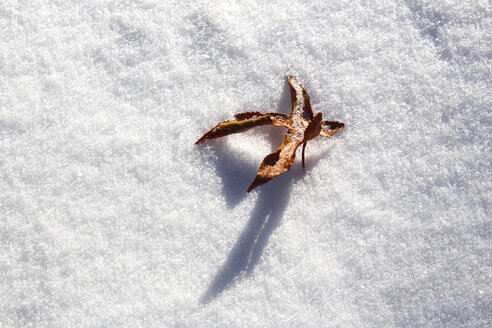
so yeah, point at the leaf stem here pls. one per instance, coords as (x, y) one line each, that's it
(303, 148)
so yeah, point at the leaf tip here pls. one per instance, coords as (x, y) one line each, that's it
(329, 128)
(258, 182)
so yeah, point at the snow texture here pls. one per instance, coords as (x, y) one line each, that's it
(111, 217)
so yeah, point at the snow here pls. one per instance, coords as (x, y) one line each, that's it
(111, 216)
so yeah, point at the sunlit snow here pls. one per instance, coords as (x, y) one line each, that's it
(110, 216)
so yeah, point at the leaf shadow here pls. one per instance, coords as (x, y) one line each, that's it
(266, 216)
(232, 167)
(268, 212)
(246, 253)
(236, 175)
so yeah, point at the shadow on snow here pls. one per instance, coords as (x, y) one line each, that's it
(246, 253)
(266, 216)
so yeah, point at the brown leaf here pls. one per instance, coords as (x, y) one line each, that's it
(277, 162)
(312, 131)
(313, 128)
(247, 115)
(244, 122)
(301, 125)
(230, 127)
(301, 104)
(329, 128)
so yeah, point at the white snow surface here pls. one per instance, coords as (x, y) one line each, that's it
(110, 216)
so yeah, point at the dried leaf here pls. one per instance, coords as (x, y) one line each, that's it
(329, 128)
(301, 125)
(244, 122)
(312, 131)
(277, 162)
